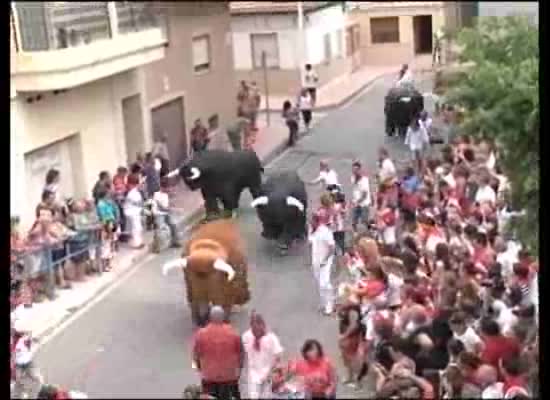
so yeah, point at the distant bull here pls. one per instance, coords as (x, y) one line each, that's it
(282, 208)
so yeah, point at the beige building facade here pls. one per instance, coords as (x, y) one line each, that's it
(396, 32)
(195, 79)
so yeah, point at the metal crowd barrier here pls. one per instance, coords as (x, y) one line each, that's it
(41, 261)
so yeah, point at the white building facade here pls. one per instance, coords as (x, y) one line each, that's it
(277, 34)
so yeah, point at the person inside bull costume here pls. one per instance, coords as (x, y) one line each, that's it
(215, 269)
(222, 176)
(282, 209)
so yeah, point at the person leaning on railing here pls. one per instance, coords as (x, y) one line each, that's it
(79, 221)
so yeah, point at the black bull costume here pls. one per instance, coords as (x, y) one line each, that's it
(222, 176)
(215, 269)
(282, 208)
(401, 105)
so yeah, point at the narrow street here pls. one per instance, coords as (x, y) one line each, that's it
(136, 342)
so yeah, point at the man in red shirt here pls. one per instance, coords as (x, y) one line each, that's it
(496, 345)
(514, 377)
(218, 354)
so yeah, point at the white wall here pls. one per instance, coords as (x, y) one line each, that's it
(504, 8)
(17, 163)
(93, 111)
(285, 27)
(317, 25)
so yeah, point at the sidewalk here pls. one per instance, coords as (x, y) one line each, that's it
(42, 319)
(342, 89)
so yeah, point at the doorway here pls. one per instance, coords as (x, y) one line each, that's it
(169, 119)
(423, 35)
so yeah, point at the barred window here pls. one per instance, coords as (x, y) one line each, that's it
(384, 30)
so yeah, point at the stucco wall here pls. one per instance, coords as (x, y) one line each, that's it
(286, 79)
(205, 93)
(285, 25)
(393, 53)
(93, 111)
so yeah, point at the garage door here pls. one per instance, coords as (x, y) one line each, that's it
(168, 119)
(63, 156)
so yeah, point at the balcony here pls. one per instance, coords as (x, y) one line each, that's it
(59, 45)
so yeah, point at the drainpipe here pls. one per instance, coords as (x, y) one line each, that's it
(301, 47)
(113, 18)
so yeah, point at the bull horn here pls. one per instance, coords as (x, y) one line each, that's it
(293, 201)
(221, 265)
(179, 263)
(195, 173)
(259, 201)
(173, 173)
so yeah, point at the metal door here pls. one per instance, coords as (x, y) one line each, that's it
(169, 119)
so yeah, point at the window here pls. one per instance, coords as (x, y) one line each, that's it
(265, 42)
(201, 53)
(328, 48)
(384, 30)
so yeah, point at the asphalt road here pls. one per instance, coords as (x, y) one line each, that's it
(136, 342)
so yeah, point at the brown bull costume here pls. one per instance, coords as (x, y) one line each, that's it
(215, 269)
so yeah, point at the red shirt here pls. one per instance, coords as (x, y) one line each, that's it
(218, 351)
(119, 184)
(514, 381)
(497, 347)
(319, 376)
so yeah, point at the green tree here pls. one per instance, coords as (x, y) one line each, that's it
(500, 95)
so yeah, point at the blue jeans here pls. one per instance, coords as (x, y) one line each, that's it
(359, 214)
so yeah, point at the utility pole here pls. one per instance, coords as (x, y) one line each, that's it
(301, 41)
(266, 88)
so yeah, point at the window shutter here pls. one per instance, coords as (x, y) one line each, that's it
(200, 51)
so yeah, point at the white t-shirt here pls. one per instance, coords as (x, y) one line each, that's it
(387, 170)
(322, 245)
(329, 177)
(470, 339)
(23, 353)
(133, 203)
(427, 124)
(491, 161)
(162, 199)
(494, 391)
(417, 139)
(506, 318)
(310, 79)
(360, 187)
(305, 103)
(486, 193)
(507, 260)
(260, 363)
(395, 283)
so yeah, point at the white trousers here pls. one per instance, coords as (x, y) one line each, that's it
(322, 274)
(259, 391)
(136, 229)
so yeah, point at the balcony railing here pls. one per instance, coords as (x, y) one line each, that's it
(138, 16)
(47, 26)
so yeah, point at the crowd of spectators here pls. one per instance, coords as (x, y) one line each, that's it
(435, 296)
(74, 239)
